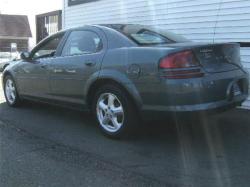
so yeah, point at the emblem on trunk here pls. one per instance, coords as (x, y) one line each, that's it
(206, 50)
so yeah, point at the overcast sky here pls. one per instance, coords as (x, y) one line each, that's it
(29, 8)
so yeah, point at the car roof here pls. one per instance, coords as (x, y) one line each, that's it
(117, 39)
(111, 26)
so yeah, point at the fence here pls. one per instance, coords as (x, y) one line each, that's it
(7, 54)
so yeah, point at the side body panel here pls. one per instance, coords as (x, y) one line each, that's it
(139, 67)
(33, 78)
(135, 68)
(68, 75)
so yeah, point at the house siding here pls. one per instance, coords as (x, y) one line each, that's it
(198, 20)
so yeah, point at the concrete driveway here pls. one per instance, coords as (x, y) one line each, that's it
(49, 146)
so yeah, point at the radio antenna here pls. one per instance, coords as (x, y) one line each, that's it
(217, 19)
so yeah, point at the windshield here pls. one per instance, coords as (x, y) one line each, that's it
(148, 35)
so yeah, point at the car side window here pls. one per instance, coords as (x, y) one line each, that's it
(82, 42)
(49, 48)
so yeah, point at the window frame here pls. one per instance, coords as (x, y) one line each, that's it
(45, 42)
(129, 36)
(170, 41)
(119, 28)
(84, 30)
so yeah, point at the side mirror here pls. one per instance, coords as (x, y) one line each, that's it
(25, 55)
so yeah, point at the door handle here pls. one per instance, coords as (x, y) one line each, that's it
(58, 70)
(89, 63)
(44, 66)
(72, 71)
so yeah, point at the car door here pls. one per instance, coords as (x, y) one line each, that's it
(33, 75)
(81, 57)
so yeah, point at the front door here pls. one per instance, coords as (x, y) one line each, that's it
(81, 56)
(33, 76)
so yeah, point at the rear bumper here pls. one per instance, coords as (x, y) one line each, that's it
(223, 104)
(211, 92)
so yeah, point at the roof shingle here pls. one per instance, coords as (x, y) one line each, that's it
(14, 26)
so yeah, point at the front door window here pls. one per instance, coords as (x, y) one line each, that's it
(48, 49)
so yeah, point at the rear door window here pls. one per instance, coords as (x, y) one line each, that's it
(82, 42)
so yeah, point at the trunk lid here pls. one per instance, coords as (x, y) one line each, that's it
(215, 58)
(219, 57)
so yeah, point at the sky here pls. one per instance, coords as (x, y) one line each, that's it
(31, 8)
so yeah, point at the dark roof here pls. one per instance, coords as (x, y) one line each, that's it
(14, 26)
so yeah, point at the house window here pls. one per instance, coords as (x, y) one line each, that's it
(47, 24)
(77, 2)
(244, 44)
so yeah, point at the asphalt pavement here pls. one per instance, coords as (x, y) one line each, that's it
(45, 146)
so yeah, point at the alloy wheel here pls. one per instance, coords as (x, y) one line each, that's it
(110, 112)
(10, 91)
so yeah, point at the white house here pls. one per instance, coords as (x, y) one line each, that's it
(199, 20)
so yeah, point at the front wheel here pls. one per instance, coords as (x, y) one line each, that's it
(10, 92)
(114, 110)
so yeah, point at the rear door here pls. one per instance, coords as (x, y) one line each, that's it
(81, 57)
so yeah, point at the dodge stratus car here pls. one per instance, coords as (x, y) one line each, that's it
(123, 72)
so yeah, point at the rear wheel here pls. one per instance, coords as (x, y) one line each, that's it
(10, 92)
(114, 110)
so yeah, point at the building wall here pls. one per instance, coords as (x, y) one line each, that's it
(47, 24)
(199, 20)
(5, 44)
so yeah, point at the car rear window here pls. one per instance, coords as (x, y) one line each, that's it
(147, 35)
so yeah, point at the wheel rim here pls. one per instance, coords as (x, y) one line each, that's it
(110, 112)
(10, 91)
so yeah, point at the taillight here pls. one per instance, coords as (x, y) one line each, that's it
(185, 59)
(181, 65)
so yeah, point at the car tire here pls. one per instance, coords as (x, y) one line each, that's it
(10, 92)
(114, 111)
